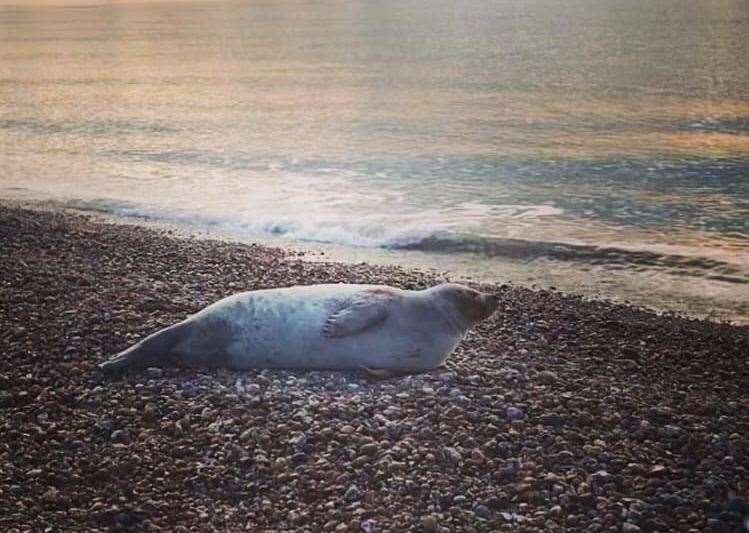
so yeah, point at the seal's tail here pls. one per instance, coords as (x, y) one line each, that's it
(154, 350)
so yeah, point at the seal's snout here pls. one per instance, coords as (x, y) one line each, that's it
(473, 306)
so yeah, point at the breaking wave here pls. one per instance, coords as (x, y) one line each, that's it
(421, 237)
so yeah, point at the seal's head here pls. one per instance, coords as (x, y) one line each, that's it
(466, 305)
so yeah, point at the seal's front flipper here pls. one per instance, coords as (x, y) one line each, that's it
(363, 312)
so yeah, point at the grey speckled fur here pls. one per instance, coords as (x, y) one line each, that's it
(335, 326)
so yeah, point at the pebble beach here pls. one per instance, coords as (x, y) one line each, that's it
(558, 413)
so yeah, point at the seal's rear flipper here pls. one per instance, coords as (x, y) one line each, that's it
(154, 350)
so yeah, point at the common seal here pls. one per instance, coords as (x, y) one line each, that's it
(385, 330)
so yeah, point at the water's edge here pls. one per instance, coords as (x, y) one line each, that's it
(522, 263)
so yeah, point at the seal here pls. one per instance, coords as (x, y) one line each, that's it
(384, 330)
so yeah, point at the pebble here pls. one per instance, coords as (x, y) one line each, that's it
(601, 476)
(565, 456)
(252, 389)
(392, 412)
(551, 419)
(352, 493)
(361, 461)
(504, 449)
(429, 524)
(451, 455)
(514, 413)
(657, 471)
(370, 449)
(121, 436)
(548, 377)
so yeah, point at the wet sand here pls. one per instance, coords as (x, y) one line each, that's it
(558, 413)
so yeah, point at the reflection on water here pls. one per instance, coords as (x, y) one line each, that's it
(585, 126)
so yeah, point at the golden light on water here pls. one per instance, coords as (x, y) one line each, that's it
(369, 123)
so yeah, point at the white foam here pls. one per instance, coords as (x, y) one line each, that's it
(369, 233)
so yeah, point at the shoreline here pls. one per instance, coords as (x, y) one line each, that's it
(558, 413)
(685, 296)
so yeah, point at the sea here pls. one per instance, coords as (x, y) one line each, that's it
(600, 147)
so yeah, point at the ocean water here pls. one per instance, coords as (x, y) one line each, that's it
(600, 146)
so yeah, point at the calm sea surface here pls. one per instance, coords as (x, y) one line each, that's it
(596, 145)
